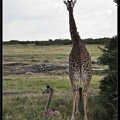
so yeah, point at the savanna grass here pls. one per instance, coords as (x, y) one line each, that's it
(40, 54)
(22, 94)
(30, 105)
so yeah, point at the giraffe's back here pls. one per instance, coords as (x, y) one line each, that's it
(52, 114)
(80, 62)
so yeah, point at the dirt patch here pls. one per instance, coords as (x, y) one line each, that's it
(36, 68)
(20, 92)
(51, 69)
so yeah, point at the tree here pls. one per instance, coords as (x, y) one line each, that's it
(108, 85)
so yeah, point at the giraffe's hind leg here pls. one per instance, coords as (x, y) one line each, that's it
(75, 110)
(73, 106)
(74, 99)
(85, 94)
(85, 105)
(85, 100)
(76, 104)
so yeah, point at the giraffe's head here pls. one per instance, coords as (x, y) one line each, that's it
(70, 4)
(48, 90)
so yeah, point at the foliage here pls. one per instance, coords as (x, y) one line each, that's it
(102, 41)
(109, 56)
(108, 85)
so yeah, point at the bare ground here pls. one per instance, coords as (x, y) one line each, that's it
(17, 68)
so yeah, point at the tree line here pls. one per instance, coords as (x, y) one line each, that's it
(102, 41)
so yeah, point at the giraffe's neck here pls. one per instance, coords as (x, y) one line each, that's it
(73, 29)
(48, 101)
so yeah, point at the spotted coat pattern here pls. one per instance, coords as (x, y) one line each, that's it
(80, 67)
(48, 112)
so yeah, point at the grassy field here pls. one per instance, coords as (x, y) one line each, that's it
(22, 93)
(50, 54)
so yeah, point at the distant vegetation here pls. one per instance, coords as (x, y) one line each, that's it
(102, 41)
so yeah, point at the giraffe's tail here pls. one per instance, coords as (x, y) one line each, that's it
(80, 94)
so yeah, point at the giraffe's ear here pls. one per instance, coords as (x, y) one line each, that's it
(74, 1)
(47, 86)
(65, 2)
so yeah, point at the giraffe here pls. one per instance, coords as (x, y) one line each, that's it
(80, 66)
(48, 112)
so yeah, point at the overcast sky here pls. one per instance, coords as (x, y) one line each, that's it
(48, 19)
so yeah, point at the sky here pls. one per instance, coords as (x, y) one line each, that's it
(34, 20)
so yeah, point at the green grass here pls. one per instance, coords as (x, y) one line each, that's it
(32, 82)
(22, 93)
(52, 54)
(30, 105)
(38, 82)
